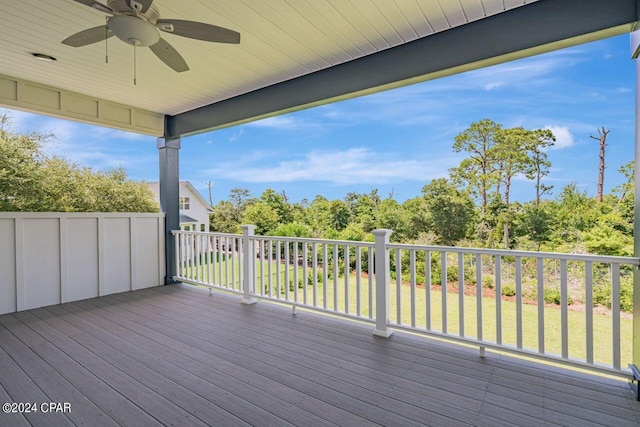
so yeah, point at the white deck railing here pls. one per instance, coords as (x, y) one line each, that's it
(537, 317)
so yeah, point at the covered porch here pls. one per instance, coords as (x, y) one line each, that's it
(177, 355)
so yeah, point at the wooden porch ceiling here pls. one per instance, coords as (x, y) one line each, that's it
(175, 355)
(293, 54)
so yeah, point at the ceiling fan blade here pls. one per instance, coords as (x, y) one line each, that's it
(198, 30)
(89, 36)
(169, 55)
(142, 5)
(95, 5)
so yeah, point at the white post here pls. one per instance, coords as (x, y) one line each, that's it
(382, 273)
(248, 257)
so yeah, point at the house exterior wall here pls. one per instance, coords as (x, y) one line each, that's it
(198, 208)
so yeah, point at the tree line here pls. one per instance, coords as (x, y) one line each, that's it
(472, 207)
(33, 180)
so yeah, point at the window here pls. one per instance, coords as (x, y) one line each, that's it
(184, 203)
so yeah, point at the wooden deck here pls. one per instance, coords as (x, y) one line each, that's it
(176, 356)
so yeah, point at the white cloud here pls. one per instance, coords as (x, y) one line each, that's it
(352, 166)
(564, 138)
(236, 135)
(278, 122)
(493, 85)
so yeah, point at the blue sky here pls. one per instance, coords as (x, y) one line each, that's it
(398, 140)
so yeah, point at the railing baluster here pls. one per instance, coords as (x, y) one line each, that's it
(460, 294)
(412, 268)
(219, 256)
(269, 267)
(335, 277)
(206, 245)
(443, 289)
(305, 272)
(287, 285)
(234, 252)
(226, 270)
(215, 258)
(278, 281)
(346, 279)
(519, 302)
(498, 287)
(615, 313)
(427, 289)
(358, 280)
(588, 302)
(295, 271)
(176, 254)
(479, 300)
(540, 277)
(314, 271)
(398, 287)
(370, 270)
(190, 255)
(564, 303)
(325, 275)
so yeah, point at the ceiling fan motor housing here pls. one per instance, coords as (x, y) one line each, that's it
(133, 30)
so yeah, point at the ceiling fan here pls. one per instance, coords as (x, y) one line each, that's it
(137, 22)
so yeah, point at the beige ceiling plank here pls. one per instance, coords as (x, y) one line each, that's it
(473, 9)
(323, 17)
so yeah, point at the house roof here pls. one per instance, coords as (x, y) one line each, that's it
(292, 54)
(185, 219)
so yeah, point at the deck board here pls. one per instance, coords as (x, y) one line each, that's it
(178, 356)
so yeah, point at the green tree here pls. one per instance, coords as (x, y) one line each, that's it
(279, 203)
(363, 207)
(339, 215)
(391, 215)
(223, 219)
(450, 210)
(479, 169)
(263, 216)
(511, 156)
(31, 180)
(417, 216)
(539, 164)
(240, 198)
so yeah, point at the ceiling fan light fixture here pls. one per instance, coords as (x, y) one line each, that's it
(130, 29)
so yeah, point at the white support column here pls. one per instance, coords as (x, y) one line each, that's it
(248, 257)
(382, 273)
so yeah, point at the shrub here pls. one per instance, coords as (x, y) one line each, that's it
(508, 290)
(552, 296)
(602, 295)
(487, 282)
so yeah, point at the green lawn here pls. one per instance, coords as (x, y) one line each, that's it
(335, 292)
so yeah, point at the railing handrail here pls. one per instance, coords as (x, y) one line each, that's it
(635, 261)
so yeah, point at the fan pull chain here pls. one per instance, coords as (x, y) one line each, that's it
(106, 41)
(135, 65)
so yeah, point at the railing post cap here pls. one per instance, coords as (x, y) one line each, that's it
(382, 232)
(248, 227)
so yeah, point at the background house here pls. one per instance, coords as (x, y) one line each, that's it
(194, 209)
